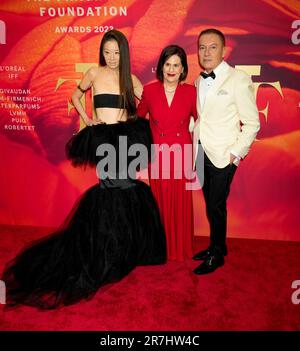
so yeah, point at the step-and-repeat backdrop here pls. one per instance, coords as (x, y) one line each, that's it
(47, 45)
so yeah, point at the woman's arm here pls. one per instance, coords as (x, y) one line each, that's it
(194, 104)
(194, 114)
(137, 87)
(84, 85)
(143, 107)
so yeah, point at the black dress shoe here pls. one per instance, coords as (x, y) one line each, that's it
(202, 255)
(209, 265)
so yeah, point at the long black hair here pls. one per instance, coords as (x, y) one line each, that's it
(125, 79)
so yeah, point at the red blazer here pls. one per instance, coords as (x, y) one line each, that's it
(169, 124)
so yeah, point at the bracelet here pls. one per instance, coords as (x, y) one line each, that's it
(79, 87)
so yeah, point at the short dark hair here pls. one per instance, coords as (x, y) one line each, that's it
(166, 53)
(213, 31)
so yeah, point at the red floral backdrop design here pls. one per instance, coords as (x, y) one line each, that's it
(38, 186)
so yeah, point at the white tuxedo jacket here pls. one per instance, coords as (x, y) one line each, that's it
(229, 118)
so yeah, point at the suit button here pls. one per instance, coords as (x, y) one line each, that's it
(162, 134)
(178, 134)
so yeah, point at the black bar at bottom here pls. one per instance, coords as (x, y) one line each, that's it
(149, 340)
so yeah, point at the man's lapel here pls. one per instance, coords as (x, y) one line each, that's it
(211, 94)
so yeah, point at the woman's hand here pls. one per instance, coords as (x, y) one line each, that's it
(90, 122)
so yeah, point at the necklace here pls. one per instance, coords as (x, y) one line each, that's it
(169, 91)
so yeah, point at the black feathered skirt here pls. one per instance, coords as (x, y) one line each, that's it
(113, 227)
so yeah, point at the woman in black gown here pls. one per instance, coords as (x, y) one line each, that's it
(115, 225)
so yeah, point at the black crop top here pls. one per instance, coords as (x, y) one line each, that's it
(109, 100)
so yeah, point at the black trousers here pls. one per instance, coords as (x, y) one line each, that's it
(216, 189)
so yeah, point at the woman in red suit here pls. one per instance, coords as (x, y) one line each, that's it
(170, 104)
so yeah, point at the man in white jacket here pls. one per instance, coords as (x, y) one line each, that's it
(227, 125)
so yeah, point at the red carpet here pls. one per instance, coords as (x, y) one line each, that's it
(252, 291)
